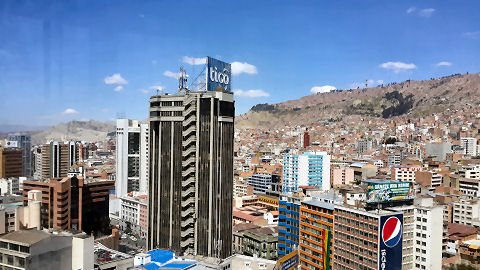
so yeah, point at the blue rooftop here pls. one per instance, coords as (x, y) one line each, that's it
(160, 256)
(151, 266)
(179, 266)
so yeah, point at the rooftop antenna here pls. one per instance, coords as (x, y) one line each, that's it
(366, 83)
(182, 80)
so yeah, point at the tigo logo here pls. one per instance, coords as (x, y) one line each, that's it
(392, 232)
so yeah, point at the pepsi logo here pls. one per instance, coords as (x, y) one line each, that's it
(392, 232)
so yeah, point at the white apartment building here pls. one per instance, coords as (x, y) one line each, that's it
(428, 234)
(239, 188)
(307, 169)
(470, 187)
(466, 212)
(133, 211)
(405, 173)
(262, 182)
(407, 235)
(469, 146)
(9, 186)
(132, 157)
(471, 171)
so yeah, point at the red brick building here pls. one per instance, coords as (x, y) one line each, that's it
(73, 203)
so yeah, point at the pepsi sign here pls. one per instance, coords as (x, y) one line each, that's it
(219, 75)
(391, 232)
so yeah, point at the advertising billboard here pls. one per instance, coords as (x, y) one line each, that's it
(390, 253)
(289, 261)
(219, 75)
(386, 192)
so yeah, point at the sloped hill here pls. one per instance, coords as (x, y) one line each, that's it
(416, 98)
(75, 130)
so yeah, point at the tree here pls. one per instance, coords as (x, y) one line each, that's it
(128, 229)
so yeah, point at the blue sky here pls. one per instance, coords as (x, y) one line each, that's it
(63, 60)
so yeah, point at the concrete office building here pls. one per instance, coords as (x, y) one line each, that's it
(470, 171)
(407, 234)
(364, 145)
(16, 217)
(23, 142)
(316, 234)
(307, 169)
(438, 150)
(404, 173)
(262, 182)
(191, 172)
(342, 176)
(357, 234)
(428, 233)
(288, 223)
(56, 159)
(134, 213)
(10, 186)
(11, 162)
(35, 249)
(469, 146)
(132, 157)
(72, 203)
(466, 212)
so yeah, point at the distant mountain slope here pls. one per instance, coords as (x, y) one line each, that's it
(75, 130)
(416, 98)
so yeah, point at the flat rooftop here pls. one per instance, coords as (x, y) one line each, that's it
(28, 237)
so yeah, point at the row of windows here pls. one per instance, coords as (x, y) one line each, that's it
(14, 247)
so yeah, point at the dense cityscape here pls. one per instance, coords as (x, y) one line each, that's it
(378, 175)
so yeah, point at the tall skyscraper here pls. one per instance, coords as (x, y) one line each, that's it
(307, 169)
(54, 159)
(11, 162)
(132, 157)
(191, 172)
(24, 142)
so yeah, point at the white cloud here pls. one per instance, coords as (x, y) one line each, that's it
(411, 9)
(70, 111)
(472, 35)
(444, 64)
(251, 93)
(427, 12)
(154, 62)
(171, 74)
(194, 61)
(104, 110)
(115, 79)
(398, 67)
(118, 88)
(379, 81)
(322, 89)
(239, 68)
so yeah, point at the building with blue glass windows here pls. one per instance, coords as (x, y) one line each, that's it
(288, 223)
(306, 169)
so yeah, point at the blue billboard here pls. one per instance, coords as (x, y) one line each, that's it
(219, 75)
(391, 232)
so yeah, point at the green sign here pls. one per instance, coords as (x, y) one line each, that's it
(378, 193)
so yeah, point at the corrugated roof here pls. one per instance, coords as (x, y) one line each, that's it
(161, 256)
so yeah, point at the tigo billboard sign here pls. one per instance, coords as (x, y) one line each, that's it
(219, 75)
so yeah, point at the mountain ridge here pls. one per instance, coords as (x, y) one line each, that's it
(416, 98)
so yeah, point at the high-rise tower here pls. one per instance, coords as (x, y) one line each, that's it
(191, 169)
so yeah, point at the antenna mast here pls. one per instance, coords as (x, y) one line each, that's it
(182, 80)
